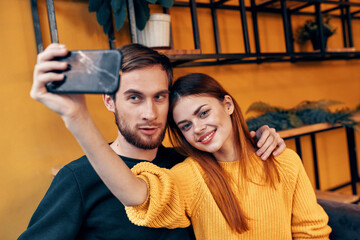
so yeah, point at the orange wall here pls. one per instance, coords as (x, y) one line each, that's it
(34, 139)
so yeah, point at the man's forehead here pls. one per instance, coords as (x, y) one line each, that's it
(150, 79)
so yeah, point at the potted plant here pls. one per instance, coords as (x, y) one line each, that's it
(310, 31)
(305, 113)
(106, 8)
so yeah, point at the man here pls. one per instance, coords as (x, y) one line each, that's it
(78, 205)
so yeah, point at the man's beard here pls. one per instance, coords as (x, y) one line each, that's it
(133, 138)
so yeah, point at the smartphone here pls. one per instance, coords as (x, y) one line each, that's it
(89, 71)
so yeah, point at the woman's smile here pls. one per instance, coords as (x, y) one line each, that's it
(207, 137)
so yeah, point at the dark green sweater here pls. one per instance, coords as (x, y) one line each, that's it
(79, 206)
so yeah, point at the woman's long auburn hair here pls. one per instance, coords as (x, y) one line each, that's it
(216, 179)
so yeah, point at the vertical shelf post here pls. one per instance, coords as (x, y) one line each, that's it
(37, 29)
(52, 21)
(255, 27)
(132, 21)
(350, 135)
(215, 27)
(195, 24)
(319, 21)
(287, 28)
(315, 159)
(244, 26)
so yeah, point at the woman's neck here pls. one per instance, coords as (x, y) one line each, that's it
(229, 152)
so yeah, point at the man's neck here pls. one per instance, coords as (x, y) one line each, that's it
(126, 149)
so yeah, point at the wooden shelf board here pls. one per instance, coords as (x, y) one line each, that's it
(289, 4)
(311, 128)
(337, 197)
(170, 52)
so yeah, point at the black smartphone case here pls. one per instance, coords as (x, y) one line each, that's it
(89, 71)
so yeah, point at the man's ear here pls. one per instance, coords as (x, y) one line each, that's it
(109, 102)
(229, 104)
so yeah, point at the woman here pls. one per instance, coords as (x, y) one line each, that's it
(224, 189)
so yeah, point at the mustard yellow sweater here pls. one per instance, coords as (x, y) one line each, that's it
(180, 197)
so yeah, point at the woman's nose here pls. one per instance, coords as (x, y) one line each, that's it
(199, 127)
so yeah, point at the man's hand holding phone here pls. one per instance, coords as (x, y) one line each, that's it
(45, 72)
(59, 75)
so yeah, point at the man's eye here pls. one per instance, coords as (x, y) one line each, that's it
(204, 113)
(160, 97)
(186, 127)
(134, 98)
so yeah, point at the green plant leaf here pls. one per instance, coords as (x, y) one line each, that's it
(116, 5)
(294, 120)
(261, 107)
(142, 13)
(94, 5)
(107, 26)
(120, 16)
(310, 30)
(103, 15)
(322, 104)
(166, 3)
(151, 1)
(306, 112)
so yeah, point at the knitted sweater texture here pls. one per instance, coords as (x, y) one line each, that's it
(180, 197)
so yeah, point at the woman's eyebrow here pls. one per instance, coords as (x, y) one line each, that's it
(195, 112)
(198, 109)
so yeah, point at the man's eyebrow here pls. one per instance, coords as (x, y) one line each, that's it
(163, 92)
(133, 91)
(195, 112)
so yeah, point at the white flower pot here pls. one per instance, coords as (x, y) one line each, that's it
(156, 32)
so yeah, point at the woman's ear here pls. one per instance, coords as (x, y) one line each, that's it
(229, 104)
(109, 102)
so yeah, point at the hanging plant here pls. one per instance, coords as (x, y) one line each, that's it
(305, 113)
(105, 9)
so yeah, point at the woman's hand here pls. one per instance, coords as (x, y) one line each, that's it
(268, 141)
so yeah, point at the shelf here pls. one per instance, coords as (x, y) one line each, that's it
(277, 4)
(336, 197)
(349, 11)
(346, 11)
(311, 129)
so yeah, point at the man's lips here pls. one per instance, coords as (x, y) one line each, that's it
(149, 130)
(206, 138)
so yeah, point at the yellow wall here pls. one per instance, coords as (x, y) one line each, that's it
(33, 139)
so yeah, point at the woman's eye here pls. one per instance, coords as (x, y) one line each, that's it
(204, 113)
(186, 127)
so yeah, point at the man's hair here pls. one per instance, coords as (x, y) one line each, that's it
(136, 56)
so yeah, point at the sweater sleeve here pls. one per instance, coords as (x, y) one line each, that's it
(309, 220)
(166, 204)
(60, 212)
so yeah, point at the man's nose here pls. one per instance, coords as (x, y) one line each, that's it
(150, 111)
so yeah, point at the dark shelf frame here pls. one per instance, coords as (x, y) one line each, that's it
(218, 58)
(352, 157)
(289, 55)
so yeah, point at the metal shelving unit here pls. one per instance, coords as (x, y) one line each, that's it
(349, 12)
(286, 9)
